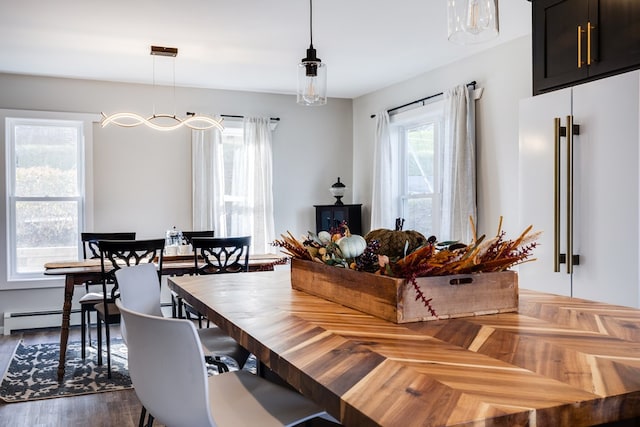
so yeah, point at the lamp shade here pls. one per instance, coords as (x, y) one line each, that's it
(312, 73)
(472, 21)
(312, 80)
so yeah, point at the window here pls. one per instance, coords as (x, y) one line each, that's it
(232, 188)
(235, 200)
(418, 135)
(45, 193)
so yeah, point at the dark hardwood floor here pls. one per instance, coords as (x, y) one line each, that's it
(118, 408)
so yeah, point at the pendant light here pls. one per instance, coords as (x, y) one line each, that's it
(312, 74)
(162, 122)
(472, 21)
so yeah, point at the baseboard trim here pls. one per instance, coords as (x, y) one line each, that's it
(36, 319)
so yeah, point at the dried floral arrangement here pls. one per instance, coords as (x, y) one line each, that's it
(338, 247)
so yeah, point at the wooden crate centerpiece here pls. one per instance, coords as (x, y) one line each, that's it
(394, 299)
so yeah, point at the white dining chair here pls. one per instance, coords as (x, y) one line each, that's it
(167, 369)
(140, 291)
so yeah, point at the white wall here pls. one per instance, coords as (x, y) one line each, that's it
(142, 178)
(505, 74)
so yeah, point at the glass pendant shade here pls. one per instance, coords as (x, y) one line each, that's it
(472, 21)
(312, 74)
(312, 83)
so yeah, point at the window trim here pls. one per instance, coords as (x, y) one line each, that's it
(399, 124)
(87, 123)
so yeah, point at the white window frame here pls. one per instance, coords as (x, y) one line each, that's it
(84, 123)
(400, 123)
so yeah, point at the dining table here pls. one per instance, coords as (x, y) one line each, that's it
(556, 361)
(78, 272)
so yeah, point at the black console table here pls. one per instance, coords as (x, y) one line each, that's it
(328, 216)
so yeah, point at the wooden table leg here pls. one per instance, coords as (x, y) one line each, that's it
(66, 320)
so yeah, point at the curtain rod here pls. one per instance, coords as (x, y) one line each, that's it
(473, 83)
(231, 116)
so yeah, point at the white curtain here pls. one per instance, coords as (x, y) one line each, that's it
(459, 165)
(385, 171)
(249, 204)
(253, 183)
(207, 170)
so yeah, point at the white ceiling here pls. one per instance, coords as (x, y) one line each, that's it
(240, 45)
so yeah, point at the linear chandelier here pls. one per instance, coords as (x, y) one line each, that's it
(129, 120)
(162, 122)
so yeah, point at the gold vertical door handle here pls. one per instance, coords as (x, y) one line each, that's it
(569, 194)
(580, 31)
(556, 195)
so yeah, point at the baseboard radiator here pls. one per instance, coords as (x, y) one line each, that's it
(50, 319)
(36, 319)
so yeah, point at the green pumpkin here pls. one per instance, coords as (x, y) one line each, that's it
(351, 245)
(392, 242)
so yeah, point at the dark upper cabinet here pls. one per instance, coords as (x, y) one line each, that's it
(579, 40)
(329, 216)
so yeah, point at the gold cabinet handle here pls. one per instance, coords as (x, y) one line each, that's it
(556, 196)
(569, 194)
(580, 31)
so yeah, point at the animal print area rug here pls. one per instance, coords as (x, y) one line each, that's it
(32, 372)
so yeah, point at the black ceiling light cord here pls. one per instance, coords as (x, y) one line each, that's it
(311, 59)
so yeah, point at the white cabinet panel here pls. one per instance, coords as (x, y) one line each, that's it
(605, 189)
(536, 187)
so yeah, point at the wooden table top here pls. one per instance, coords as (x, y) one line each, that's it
(169, 263)
(557, 361)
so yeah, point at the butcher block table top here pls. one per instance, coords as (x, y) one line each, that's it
(556, 362)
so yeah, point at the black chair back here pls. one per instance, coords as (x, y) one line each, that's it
(221, 255)
(189, 235)
(90, 241)
(115, 254)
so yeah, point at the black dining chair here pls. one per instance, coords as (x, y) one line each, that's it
(189, 235)
(216, 255)
(176, 301)
(219, 255)
(115, 254)
(90, 250)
